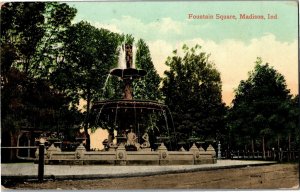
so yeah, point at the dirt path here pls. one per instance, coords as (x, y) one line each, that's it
(259, 177)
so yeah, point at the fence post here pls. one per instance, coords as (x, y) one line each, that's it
(280, 154)
(273, 153)
(219, 150)
(41, 160)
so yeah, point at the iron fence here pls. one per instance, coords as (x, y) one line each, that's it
(22, 152)
(274, 155)
(41, 161)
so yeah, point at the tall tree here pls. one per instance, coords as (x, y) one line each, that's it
(294, 124)
(260, 105)
(31, 35)
(28, 102)
(50, 50)
(89, 55)
(148, 87)
(192, 90)
(21, 31)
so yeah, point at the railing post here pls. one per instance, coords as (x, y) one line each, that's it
(41, 160)
(273, 154)
(280, 154)
(219, 150)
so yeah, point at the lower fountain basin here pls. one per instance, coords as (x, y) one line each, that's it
(120, 156)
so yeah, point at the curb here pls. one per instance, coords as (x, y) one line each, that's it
(137, 174)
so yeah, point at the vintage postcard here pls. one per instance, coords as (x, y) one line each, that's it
(124, 95)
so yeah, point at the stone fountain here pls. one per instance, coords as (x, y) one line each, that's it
(134, 143)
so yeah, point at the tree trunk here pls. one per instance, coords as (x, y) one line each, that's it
(86, 125)
(263, 147)
(26, 66)
(252, 146)
(13, 152)
(289, 155)
(278, 142)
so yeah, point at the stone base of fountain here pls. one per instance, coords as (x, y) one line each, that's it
(120, 156)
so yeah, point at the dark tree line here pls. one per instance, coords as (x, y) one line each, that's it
(264, 114)
(30, 39)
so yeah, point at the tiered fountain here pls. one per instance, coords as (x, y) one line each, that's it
(129, 115)
(137, 142)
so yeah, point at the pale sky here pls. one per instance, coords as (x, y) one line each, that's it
(234, 45)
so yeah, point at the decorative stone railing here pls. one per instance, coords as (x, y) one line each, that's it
(120, 156)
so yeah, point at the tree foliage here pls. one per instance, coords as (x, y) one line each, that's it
(89, 53)
(25, 30)
(192, 90)
(31, 35)
(29, 103)
(21, 31)
(148, 87)
(30, 32)
(261, 107)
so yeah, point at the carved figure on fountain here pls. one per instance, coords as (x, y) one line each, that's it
(146, 143)
(132, 140)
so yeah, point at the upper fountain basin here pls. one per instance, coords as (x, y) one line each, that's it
(128, 73)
